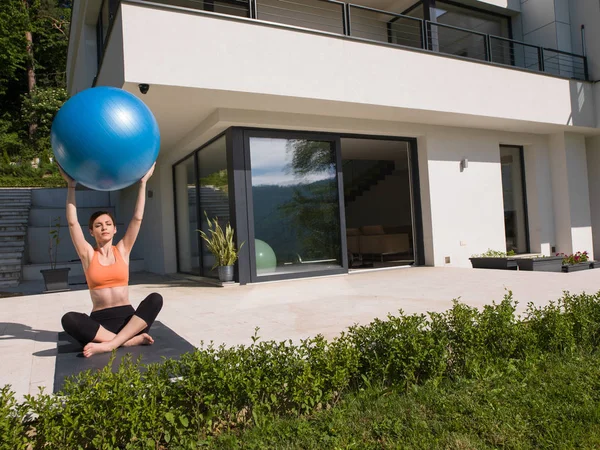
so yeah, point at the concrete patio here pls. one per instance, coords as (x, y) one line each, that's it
(284, 310)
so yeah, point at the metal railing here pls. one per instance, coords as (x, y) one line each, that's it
(375, 25)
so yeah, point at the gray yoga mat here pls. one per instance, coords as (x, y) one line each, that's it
(70, 360)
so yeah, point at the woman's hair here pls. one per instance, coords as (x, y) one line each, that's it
(97, 214)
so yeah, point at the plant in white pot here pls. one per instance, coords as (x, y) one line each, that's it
(221, 244)
(55, 279)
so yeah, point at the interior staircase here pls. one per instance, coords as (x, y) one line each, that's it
(367, 179)
(14, 216)
(214, 201)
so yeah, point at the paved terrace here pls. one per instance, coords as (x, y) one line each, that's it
(296, 309)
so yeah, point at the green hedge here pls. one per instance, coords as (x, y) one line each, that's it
(49, 182)
(47, 175)
(182, 404)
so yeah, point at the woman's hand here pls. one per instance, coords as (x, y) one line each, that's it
(70, 181)
(146, 177)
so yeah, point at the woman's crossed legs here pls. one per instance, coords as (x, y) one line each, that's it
(110, 328)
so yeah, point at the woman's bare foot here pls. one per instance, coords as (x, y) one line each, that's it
(94, 348)
(140, 339)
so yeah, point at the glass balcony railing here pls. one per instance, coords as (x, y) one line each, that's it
(378, 26)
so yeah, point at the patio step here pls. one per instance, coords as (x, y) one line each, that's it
(14, 220)
(10, 265)
(14, 216)
(10, 275)
(8, 235)
(9, 282)
(12, 245)
(12, 253)
(13, 227)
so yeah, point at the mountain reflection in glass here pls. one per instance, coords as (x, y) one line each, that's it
(296, 206)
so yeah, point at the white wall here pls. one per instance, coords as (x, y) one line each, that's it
(292, 64)
(467, 210)
(86, 65)
(540, 209)
(546, 23)
(587, 13)
(593, 165)
(457, 206)
(112, 70)
(572, 217)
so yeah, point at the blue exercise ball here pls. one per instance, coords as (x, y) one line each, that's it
(105, 138)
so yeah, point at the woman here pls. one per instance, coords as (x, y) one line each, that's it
(113, 322)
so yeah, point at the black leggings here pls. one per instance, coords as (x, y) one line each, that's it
(84, 328)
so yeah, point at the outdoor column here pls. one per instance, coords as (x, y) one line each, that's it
(540, 210)
(593, 164)
(461, 192)
(425, 201)
(571, 200)
(183, 218)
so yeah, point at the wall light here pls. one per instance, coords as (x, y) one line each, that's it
(464, 163)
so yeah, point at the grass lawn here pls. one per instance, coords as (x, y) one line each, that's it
(553, 403)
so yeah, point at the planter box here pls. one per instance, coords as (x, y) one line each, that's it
(56, 279)
(544, 264)
(577, 267)
(494, 263)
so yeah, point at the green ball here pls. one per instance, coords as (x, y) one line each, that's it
(265, 256)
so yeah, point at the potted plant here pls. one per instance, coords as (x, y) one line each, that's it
(55, 279)
(222, 246)
(493, 259)
(541, 263)
(575, 262)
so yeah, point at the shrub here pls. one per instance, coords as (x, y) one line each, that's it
(489, 253)
(181, 404)
(575, 258)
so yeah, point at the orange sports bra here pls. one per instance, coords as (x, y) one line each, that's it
(100, 277)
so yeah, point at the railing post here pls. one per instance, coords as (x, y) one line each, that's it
(254, 9)
(347, 27)
(423, 35)
(426, 34)
(585, 69)
(488, 48)
(541, 59)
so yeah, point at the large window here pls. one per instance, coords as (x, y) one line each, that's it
(213, 195)
(201, 192)
(187, 223)
(460, 31)
(513, 190)
(295, 205)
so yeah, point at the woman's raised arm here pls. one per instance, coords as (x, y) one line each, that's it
(138, 214)
(82, 247)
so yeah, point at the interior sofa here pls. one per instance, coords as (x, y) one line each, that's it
(377, 241)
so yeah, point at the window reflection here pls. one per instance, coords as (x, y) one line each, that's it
(296, 207)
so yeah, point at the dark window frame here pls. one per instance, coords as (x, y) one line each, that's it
(194, 156)
(290, 134)
(241, 209)
(524, 189)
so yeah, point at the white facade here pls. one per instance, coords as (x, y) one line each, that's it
(208, 72)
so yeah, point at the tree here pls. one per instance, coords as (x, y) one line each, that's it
(33, 53)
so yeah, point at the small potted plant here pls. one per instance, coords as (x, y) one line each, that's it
(55, 279)
(222, 246)
(575, 262)
(494, 259)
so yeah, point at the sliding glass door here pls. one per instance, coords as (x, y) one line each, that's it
(295, 205)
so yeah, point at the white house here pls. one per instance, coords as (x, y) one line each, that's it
(336, 135)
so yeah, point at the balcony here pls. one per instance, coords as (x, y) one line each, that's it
(380, 27)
